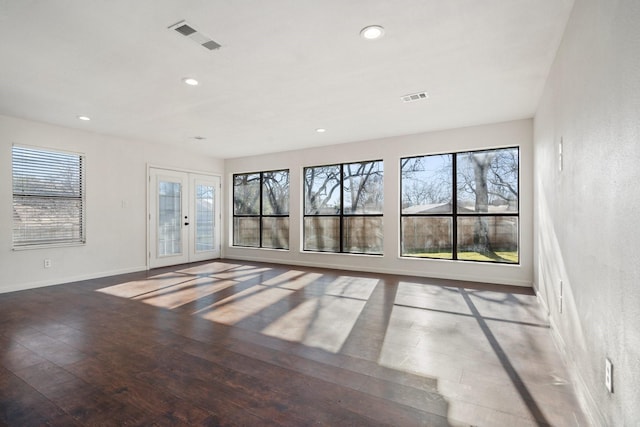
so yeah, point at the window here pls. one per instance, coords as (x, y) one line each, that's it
(461, 206)
(205, 221)
(261, 209)
(48, 197)
(343, 208)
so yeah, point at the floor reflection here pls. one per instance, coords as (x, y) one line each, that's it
(488, 347)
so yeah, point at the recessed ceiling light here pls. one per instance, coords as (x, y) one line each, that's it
(190, 81)
(321, 130)
(84, 118)
(372, 32)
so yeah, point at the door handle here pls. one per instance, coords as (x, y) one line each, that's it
(186, 223)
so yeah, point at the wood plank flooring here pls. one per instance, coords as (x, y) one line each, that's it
(237, 343)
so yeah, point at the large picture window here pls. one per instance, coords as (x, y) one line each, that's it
(343, 208)
(461, 206)
(261, 209)
(48, 197)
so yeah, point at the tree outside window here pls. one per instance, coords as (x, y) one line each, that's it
(461, 206)
(343, 208)
(48, 197)
(261, 209)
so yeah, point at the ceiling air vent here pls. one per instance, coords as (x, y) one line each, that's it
(188, 31)
(415, 97)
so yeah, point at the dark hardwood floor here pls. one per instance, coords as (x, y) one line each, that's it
(234, 343)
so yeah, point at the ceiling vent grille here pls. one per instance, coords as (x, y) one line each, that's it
(412, 97)
(188, 31)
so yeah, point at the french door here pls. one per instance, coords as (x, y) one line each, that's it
(184, 217)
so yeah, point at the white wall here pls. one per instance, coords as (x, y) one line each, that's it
(391, 150)
(116, 172)
(586, 216)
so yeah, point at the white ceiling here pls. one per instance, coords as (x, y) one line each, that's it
(285, 68)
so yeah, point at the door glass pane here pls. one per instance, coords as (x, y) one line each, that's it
(205, 214)
(169, 218)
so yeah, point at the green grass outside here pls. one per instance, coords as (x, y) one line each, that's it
(500, 256)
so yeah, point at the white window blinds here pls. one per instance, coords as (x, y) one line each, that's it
(48, 197)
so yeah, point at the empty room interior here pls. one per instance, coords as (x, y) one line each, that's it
(413, 212)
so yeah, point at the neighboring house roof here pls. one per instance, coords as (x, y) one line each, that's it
(445, 208)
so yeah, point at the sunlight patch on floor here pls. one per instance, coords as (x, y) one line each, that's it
(185, 293)
(351, 287)
(141, 287)
(241, 305)
(324, 322)
(293, 280)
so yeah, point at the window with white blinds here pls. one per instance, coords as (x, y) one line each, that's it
(48, 197)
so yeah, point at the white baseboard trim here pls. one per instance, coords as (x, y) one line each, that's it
(585, 398)
(71, 279)
(518, 283)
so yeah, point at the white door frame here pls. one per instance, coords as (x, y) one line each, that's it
(189, 179)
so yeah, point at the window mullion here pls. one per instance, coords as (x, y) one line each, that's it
(260, 212)
(454, 206)
(341, 208)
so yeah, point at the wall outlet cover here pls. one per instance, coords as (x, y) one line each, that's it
(608, 375)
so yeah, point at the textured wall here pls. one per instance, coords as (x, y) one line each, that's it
(587, 230)
(116, 204)
(390, 150)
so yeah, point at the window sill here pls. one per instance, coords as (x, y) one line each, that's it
(341, 253)
(46, 246)
(257, 248)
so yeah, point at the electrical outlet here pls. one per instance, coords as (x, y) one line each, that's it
(560, 154)
(47, 263)
(608, 375)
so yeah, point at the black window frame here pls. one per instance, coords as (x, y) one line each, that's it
(260, 215)
(454, 215)
(341, 215)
